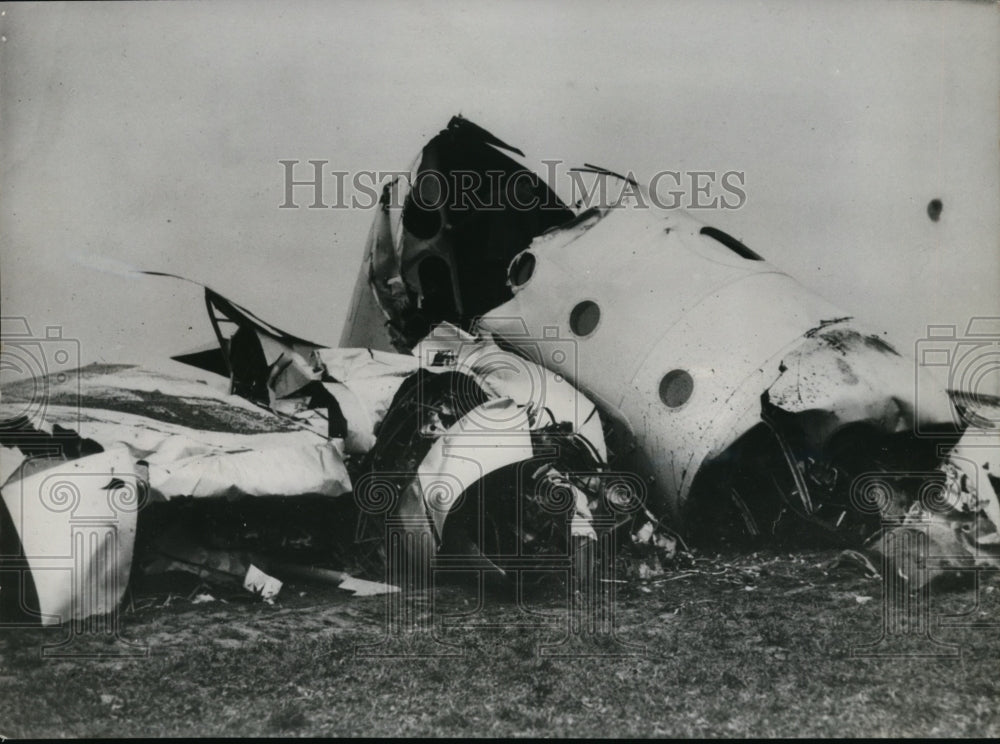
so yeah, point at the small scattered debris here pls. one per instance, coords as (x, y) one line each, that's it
(114, 702)
(856, 560)
(258, 582)
(681, 575)
(360, 587)
(647, 571)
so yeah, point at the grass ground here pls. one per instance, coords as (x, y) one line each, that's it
(738, 645)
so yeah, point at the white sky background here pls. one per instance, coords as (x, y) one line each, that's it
(148, 135)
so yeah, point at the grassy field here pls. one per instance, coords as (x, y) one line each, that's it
(737, 645)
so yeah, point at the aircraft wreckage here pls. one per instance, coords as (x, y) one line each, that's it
(518, 377)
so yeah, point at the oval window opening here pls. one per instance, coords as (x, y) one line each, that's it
(584, 318)
(731, 243)
(675, 388)
(522, 269)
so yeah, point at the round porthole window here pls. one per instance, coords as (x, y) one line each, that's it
(676, 387)
(521, 269)
(584, 318)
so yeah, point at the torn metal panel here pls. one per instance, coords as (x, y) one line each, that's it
(182, 461)
(342, 393)
(441, 241)
(203, 404)
(472, 441)
(316, 468)
(468, 451)
(162, 459)
(249, 347)
(953, 519)
(857, 376)
(76, 525)
(364, 382)
(548, 396)
(258, 582)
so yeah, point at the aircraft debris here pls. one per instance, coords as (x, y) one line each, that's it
(70, 528)
(954, 520)
(258, 582)
(739, 395)
(340, 579)
(520, 377)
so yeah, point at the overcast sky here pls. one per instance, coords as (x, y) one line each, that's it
(148, 136)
